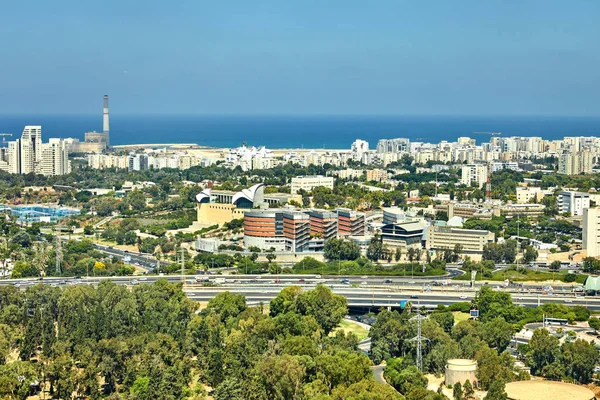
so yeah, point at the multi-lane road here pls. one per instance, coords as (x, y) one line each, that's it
(361, 292)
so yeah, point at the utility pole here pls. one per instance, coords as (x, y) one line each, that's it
(58, 251)
(182, 265)
(419, 339)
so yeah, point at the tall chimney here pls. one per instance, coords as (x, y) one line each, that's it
(105, 127)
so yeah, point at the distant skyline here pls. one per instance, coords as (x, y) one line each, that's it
(340, 57)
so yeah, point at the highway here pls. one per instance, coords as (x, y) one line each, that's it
(361, 292)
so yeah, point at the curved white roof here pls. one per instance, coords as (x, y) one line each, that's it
(203, 195)
(247, 194)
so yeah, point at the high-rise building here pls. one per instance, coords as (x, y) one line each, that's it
(55, 158)
(105, 125)
(31, 148)
(591, 231)
(474, 175)
(576, 163)
(393, 145)
(14, 157)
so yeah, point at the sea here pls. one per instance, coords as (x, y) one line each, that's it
(311, 132)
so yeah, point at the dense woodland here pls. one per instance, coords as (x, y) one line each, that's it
(152, 342)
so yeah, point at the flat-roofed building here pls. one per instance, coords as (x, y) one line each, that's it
(445, 237)
(350, 223)
(280, 229)
(591, 231)
(474, 175)
(308, 183)
(573, 203)
(522, 210)
(323, 223)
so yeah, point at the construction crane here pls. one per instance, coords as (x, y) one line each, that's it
(488, 133)
(4, 135)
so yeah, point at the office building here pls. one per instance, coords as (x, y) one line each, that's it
(279, 229)
(350, 223)
(572, 203)
(446, 237)
(308, 183)
(401, 230)
(474, 175)
(591, 231)
(323, 224)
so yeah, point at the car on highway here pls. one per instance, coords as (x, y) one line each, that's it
(463, 297)
(364, 283)
(318, 276)
(414, 296)
(387, 281)
(345, 282)
(134, 282)
(568, 301)
(302, 280)
(412, 282)
(364, 277)
(143, 279)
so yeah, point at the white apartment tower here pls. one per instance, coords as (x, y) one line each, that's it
(591, 231)
(31, 148)
(55, 158)
(474, 175)
(14, 157)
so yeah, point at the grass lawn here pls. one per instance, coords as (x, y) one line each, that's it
(460, 316)
(351, 326)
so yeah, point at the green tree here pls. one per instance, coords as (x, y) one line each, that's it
(375, 249)
(544, 349)
(497, 391)
(398, 254)
(579, 358)
(530, 255)
(457, 392)
(469, 392)
(326, 307)
(594, 323)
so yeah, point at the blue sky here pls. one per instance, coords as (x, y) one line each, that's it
(301, 57)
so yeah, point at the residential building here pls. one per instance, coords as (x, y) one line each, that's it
(474, 175)
(359, 148)
(591, 231)
(446, 237)
(580, 162)
(393, 145)
(377, 175)
(308, 183)
(31, 148)
(572, 203)
(54, 158)
(528, 194)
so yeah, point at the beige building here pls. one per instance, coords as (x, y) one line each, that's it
(591, 231)
(376, 175)
(310, 182)
(444, 237)
(528, 194)
(218, 213)
(576, 163)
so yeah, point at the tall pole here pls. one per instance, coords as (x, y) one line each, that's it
(182, 266)
(58, 251)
